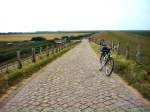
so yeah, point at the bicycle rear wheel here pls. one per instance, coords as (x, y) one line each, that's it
(109, 66)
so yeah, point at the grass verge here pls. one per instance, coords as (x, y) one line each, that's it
(16, 76)
(130, 72)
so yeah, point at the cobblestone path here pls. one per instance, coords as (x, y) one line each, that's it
(73, 83)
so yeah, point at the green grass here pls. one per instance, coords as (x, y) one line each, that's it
(9, 44)
(142, 33)
(15, 76)
(130, 72)
(9, 51)
(132, 39)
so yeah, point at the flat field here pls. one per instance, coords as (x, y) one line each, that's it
(27, 37)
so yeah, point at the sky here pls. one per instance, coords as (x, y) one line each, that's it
(69, 15)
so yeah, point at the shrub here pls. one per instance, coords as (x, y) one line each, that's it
(38, 39)
(14, 77)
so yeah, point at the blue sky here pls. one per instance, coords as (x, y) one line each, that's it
(53, 15)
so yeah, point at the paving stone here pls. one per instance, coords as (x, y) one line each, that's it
(88, 110)
(73, 83)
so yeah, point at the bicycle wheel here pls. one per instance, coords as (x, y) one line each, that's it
(109, 66)
(102, 62)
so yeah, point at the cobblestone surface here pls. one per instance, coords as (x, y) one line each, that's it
(73, 83)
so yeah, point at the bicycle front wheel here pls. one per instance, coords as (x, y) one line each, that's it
(102, 62)
(109, 67)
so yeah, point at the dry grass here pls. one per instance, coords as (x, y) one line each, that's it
(26, 37)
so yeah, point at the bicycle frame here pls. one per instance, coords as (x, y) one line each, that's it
(107, 57)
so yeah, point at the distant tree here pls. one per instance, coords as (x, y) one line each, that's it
(38, 39)
(66, 38)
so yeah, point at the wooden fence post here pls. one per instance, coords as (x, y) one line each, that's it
(62, 46)
(33, 55)
(53, 49)
(112, 45)
(118, 48)
(56, 48)
(138, 54)
(19, 60)
(65, 45)
(47, 51)
(40, 52)
(127, 53)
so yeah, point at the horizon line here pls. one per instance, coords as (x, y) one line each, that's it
(70, 31)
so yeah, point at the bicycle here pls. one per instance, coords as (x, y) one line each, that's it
(106, 63)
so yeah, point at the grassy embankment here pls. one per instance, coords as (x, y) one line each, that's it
(15, 76)
(137, 76)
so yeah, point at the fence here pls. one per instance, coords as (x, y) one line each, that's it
(19, 63)
(125, 50)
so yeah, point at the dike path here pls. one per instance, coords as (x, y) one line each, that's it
(73, 83)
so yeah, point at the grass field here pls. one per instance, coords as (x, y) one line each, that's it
(26, 37)
(132, 39)
(136, 75)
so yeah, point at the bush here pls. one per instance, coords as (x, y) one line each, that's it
(14, 77)
(38, 39)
